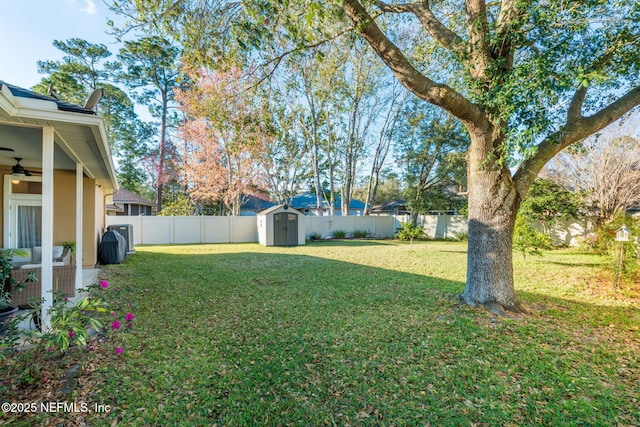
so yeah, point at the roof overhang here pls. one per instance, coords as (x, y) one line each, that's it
(79, 137)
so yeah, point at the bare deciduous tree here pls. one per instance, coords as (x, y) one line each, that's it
(606, 169)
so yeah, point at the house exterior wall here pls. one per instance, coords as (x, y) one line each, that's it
(64, 213)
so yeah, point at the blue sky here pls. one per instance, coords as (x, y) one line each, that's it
(28, 28)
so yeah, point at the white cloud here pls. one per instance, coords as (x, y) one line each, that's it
(90, 7)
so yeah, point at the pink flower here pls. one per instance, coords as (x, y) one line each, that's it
(113, 314)
(128, 317)
(71, 333)
(119, 351)
(90, 348)
(104, 284)
(115, 325)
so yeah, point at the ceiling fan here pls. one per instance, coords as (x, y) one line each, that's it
(18, 169)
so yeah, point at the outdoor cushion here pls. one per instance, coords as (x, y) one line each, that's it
(37, 253)
(30, 266)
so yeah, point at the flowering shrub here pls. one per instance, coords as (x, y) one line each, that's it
(117, 321)
(71, 323)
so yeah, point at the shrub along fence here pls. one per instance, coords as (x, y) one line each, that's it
(158, 230)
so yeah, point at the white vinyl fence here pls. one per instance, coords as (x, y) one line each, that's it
(443, 226)
(240, 229)
(244, 229)
(563, 232)
(382, 227)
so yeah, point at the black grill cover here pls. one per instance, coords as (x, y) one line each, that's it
(113, 248)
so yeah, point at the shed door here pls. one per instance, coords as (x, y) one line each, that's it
(285, 229)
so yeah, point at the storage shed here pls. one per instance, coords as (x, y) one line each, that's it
(281, 226)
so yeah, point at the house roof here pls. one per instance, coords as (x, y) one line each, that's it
(114, 208)
(62, 105)
(389, 206)
(308, 201)
(255, 203)
(79, 134)
(125, 196)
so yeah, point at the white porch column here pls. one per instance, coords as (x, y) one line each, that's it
(46, 280)
(79, 210)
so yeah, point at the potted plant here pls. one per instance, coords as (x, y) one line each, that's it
(6, 282)
(71, 246)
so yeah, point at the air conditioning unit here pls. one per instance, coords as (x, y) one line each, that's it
(126, 231)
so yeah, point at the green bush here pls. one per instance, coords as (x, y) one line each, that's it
(410, 231)
(360, 234)
(527, 240)
(339, 234)
(462, 237)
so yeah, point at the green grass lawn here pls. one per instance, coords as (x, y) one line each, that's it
(364, 333)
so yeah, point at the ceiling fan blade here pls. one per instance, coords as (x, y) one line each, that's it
(6, 149)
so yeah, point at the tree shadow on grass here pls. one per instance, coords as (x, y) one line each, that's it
(259, 337)
(577, 264)
(349, 242)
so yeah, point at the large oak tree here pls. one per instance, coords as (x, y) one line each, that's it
(526, 78)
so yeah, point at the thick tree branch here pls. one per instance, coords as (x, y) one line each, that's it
(509, 15)
(425, 88)
(479, 40)
(436, 29)
(576, 128)
(395, 8)
(575, 108)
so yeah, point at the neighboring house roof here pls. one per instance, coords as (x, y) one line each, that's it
(125, 196)
(308, 201)
(254, 203)
(389, 206)
(114, 208)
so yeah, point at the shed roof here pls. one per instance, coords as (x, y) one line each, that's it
(278, 207)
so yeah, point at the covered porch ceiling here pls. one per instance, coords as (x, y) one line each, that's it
(79, 134)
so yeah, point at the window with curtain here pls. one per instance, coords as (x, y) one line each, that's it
(29, 226)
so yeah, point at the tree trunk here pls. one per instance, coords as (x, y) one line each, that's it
(162, 153)
(489, 260)
(493, 205)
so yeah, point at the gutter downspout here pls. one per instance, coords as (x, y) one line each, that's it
(104, 203)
